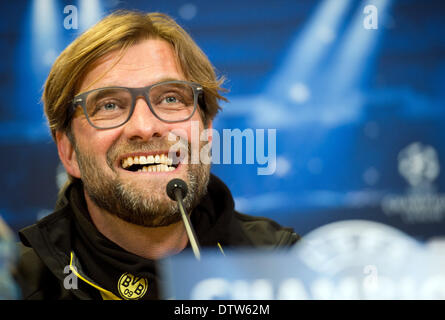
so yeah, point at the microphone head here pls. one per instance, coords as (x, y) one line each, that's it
(175, 184)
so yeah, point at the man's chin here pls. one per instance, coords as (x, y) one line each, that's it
(149, 211)
(151, 190)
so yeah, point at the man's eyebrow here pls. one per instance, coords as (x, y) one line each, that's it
(103, 93)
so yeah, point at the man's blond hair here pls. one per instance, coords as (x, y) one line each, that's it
(119, 31)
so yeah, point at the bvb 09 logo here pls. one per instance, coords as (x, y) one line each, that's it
(131, 287)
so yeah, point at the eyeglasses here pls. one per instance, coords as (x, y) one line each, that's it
(111, 107)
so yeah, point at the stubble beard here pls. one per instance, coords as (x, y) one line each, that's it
(128, 201)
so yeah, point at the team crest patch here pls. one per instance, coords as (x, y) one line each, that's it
(131, 287)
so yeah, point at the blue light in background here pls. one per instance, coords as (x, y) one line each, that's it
(309, 47)
(90, 12)
(45, 35)
(39, 45)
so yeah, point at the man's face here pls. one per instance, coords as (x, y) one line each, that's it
(100, 157)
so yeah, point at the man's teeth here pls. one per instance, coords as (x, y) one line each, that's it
(156, 168)
(151, 159)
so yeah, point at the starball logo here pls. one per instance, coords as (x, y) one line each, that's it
(419, 165)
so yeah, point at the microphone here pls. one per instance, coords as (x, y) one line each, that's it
(177, 190)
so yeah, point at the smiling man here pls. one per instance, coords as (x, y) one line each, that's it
(114, 98)
(120, 147)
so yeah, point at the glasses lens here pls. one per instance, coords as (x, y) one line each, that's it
(108, 107)
(172, 101)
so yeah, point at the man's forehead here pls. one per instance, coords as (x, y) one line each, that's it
(151, 60)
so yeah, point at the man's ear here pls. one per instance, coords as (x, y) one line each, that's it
(67, 154)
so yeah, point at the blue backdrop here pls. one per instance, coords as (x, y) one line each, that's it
(354, 90)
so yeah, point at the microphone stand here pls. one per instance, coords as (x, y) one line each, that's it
(188, 225)
(176, 190)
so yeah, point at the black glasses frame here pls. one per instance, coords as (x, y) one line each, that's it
(80, 100)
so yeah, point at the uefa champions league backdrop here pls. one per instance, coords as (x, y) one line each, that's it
(339, 106)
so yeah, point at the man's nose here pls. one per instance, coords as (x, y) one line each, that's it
(143, 124)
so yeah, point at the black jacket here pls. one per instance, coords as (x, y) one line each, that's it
(66, 241)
